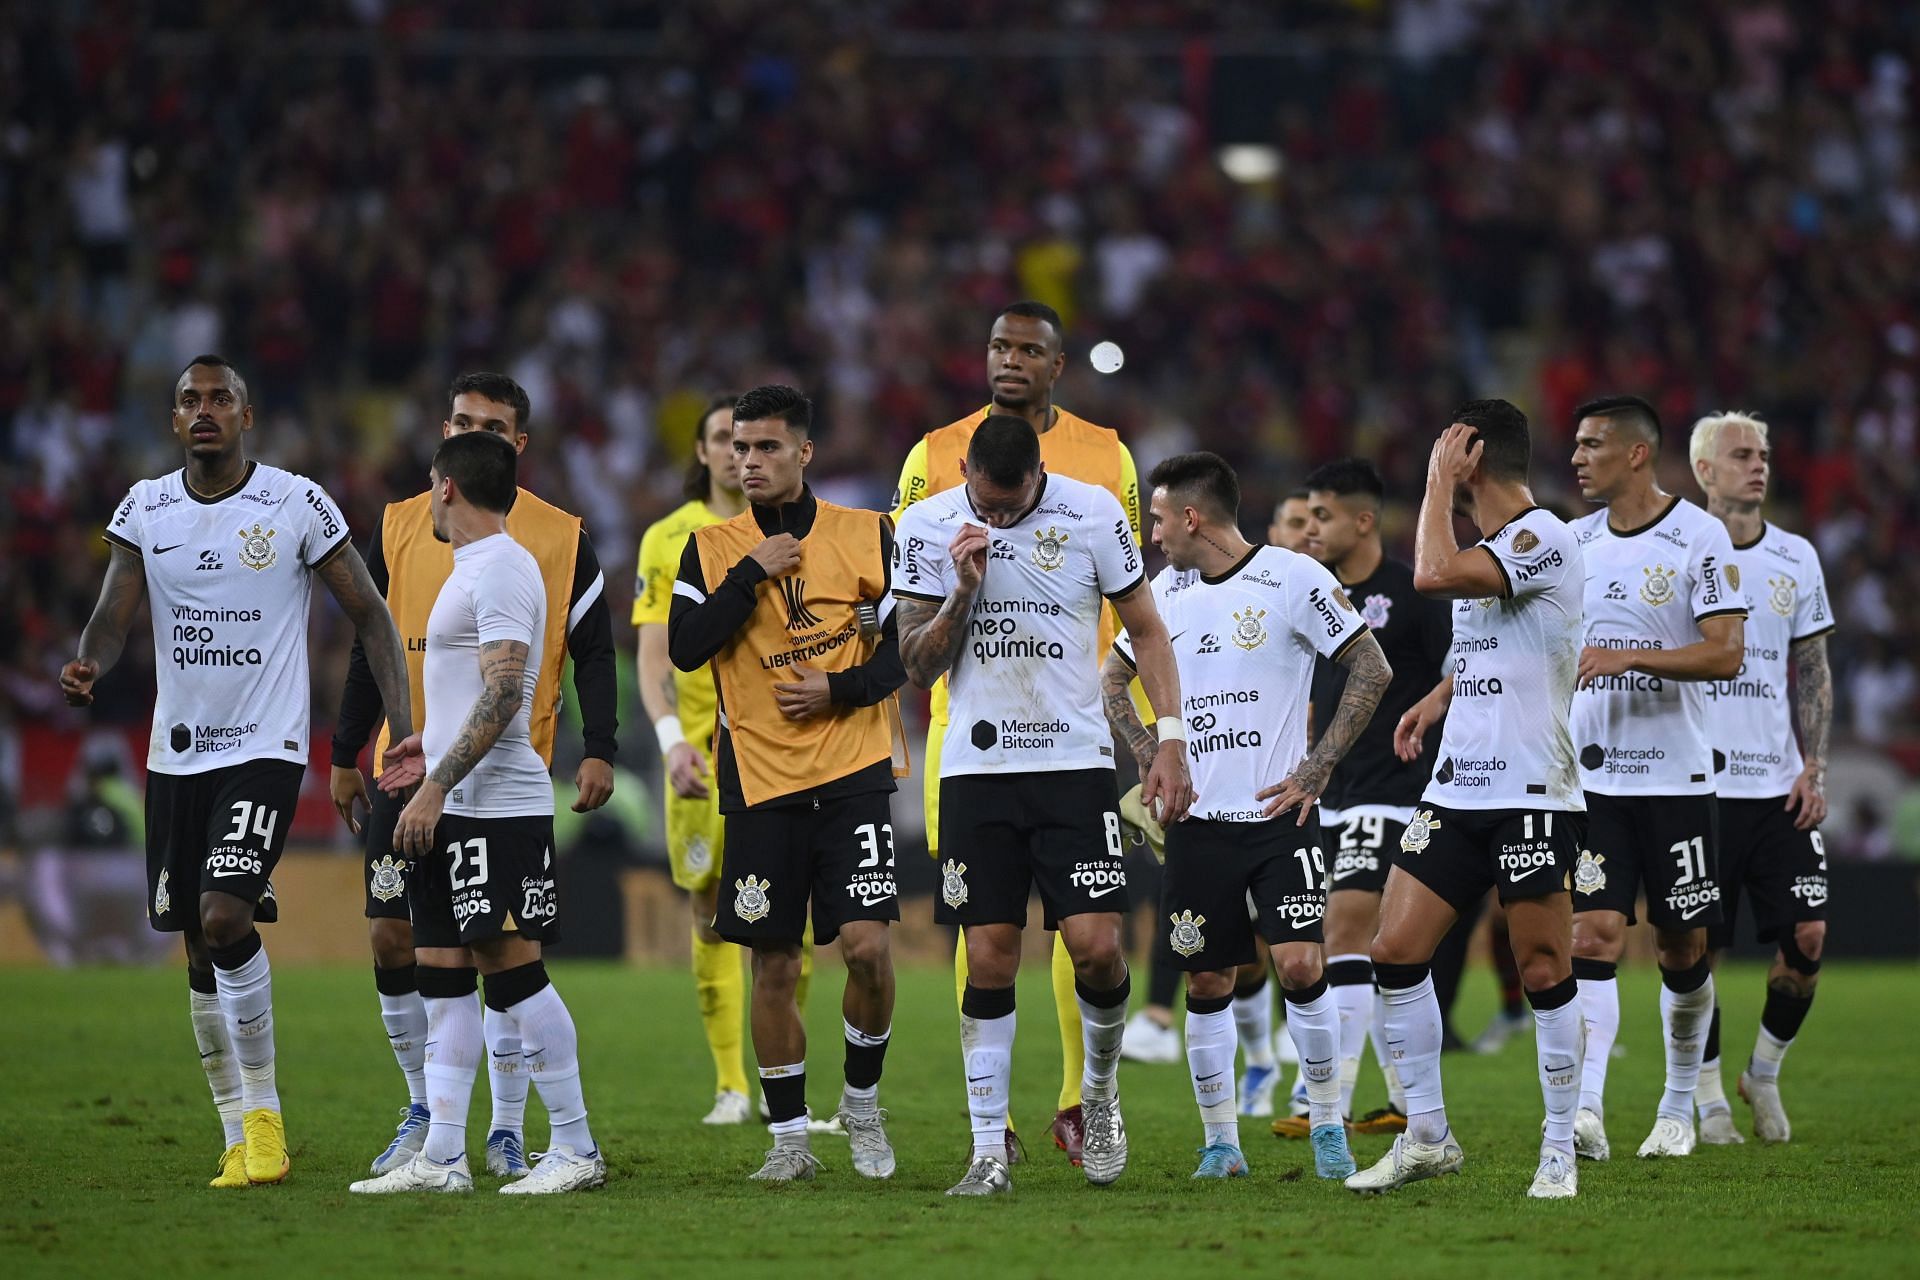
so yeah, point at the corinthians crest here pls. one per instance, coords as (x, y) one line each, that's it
(750, 900)
(1780, 599)
(953, 883)
(1375, 610)
(389, 879)
(1049, 550)
(1248, 631)
(1659, 585)
(162, 900)
(256, 548)
(1587, 875)
(1186, 938)
(1419, 832)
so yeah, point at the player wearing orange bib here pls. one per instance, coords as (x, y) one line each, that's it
(409, 566)
(1026, 355)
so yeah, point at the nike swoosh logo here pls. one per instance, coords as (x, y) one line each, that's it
(1303, 924)
(224, 872)
(498, 1054)
(247, 1022)
(1215, 1076)
(208, 1054)
(1317, 1062)
(978, 1079)
(1394, 1042)
(1101, 893)
(1515, 877)
(874, 902)
(1348, 874)
(1688, 915)
(1176, 635)
(160, 551)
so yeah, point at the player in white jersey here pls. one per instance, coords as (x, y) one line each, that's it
(479, 831)
(1247, 622)
(226, 551)
(1662, 617)
(1773, 792)
(1011, 611)
(1503, 809)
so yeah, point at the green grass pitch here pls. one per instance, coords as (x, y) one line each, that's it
(110, 1138)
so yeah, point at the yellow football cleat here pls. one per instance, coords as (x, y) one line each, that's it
(1387, 1119)
(266, 1146)
(233, 1167)
(1293, 1127)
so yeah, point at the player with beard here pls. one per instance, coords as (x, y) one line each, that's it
(1772, 795)
(1252, 770)
(226, 550)
(1026, 354)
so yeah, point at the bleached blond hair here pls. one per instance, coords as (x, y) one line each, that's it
(1706, 434)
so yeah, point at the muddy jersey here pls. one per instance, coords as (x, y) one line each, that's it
(1245, 644)
(1513, 661)
(1025, 688)
(1650, 588)
(1749, 718)
(229, 582)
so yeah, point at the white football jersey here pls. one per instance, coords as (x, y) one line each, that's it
(1025, 690)
(494, 593)
(229, 582)
(1244, 643)
(1513, 661)
(1650, 588)
(1749, 720)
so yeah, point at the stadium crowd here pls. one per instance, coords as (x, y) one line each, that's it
(354, 206)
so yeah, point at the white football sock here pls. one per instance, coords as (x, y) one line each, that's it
(986, 1046)
(1710, 1095)
(1210, 1038)
(1315, 1028)
(1100, 1032)
(454, 1046)
(1354, 1001)
(1769, 1051)
(1377, 1033)
(246, 997)
(1253, 1020)
(217, 1060)
(1600, 1011)
(1556, 1039)
(1683, 1021)
(550, 1047)
(506, 1071)
(405, 1016)
(1411, 1030)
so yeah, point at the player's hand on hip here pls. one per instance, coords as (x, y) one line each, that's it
(347, 786)
(594, 779)
(778, 554)
(968, 551)
(1299, 791)
(403, 765)
(413, 833)
(808, 696)
(1167, 792)
(1809, 799)
(1597, 663)
(687, 771)
(76, 682)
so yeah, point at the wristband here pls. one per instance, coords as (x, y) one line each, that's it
(1171, 729)
(667, 731)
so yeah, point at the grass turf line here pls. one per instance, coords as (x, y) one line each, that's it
(111, 1137)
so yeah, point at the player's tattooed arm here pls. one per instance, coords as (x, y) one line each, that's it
(1116, 680)
(1367, 678)
(1813, 710)
(345, 574)
(503, 669)
(106, 631)
(931, 635)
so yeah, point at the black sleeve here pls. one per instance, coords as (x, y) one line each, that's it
(360, 703)
(697, 631)
(880, 675)
(590, 645)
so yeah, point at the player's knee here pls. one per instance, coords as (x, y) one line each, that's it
(1099, 960)
(1544, 970)
(776, 966)
(1680, 950)
(1810, 940)
(1299, 967)
(1389, 948)
(1211, 985)
(224, 920)
(1599, 939)
(866, 954)
(392, 942)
